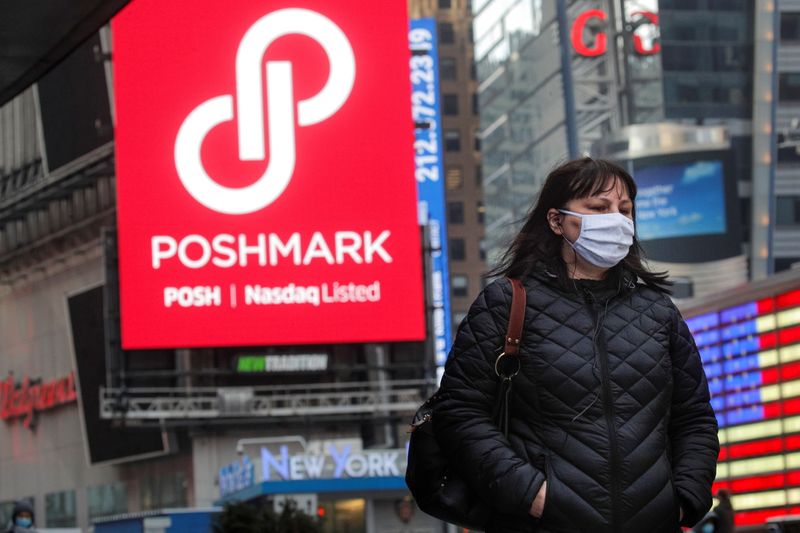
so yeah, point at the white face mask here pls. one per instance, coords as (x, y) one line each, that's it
(605, 238)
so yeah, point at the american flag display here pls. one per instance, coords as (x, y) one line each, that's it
(751, 356)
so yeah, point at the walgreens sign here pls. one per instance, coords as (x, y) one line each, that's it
(266, 190)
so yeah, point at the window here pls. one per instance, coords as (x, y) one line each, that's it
(453, 178)
(343, 515)
(6, 508)
(475, 105)
(458, 249)
(479, 175)
(786, 263)
(787, 210)
(107, 500)
(165, 490)
(789, 87)
(455, 213)
(477, 136)
(445, 4)
(790, 26)
(481, 210)
(458, 318)
(460, 285)
(473, 71)
(446, 33)
(688, 93)
(787, 154)
(447, 68)
(450, 104)
(452, 140)
(59, 509)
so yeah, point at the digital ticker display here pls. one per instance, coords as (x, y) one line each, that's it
(751, 356)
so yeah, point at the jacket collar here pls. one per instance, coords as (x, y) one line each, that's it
(548, 275)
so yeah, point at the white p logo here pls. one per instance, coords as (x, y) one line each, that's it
(250, 111)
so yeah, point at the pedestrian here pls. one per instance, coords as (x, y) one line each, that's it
(724, 512)
(611, 429)
(23, 519)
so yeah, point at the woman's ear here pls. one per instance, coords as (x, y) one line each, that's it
(554, 221)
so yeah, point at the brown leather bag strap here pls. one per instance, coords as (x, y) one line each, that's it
(516, 318)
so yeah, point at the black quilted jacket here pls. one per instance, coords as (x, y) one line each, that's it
(611, 407)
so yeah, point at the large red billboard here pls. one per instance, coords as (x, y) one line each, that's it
(266, 190)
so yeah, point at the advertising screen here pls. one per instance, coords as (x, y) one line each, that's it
(751, 357)
(266, 190)
(680, 200)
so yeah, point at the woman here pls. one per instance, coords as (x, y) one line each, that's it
(611, 427)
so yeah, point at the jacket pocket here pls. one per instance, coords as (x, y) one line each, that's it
(548, 474)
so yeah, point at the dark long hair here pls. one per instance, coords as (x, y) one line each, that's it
(536, 243)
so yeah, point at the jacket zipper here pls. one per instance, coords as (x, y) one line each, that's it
(599, 344)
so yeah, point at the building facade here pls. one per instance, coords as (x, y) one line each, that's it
(787, 171)
(462, 148)
(135, 431)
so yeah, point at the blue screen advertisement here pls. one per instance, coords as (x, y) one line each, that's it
(680, 200)
(430, 171)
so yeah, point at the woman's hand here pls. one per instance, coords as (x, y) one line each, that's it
(537, 507)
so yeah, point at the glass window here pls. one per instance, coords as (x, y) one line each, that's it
(447, 68)
(452, 140)
(342, 515)
(790, 26)
(788, 154)
(59, 509)
(450, 104)
(446, 33)
(455, 213)
(787, 210)
(458, 318)
(445, 4)
(688, 93)
(789, 86)
(454, 177)
(166, 490)
(460, 285)
(786, 263)
(481, 210)
(6, 508)
(107, 500)
(458, 249)
(475, 106)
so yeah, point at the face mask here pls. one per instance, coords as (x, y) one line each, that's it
(605, 239)
(24, 522)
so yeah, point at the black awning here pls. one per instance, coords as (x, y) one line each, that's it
(36, 34)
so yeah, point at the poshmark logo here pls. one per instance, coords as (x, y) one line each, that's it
(250, 111)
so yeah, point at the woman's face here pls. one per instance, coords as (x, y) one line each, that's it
(613, 198)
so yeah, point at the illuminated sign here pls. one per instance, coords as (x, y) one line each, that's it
(28, 397)
(265, 174)
(751, 356)
(430, 173)
(306, 362)
(236, 476)
(597, 19)
(336, 463)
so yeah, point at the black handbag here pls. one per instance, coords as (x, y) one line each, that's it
(438, 488)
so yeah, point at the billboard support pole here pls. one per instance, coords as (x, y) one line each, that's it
(566, 76)
(430, 338)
